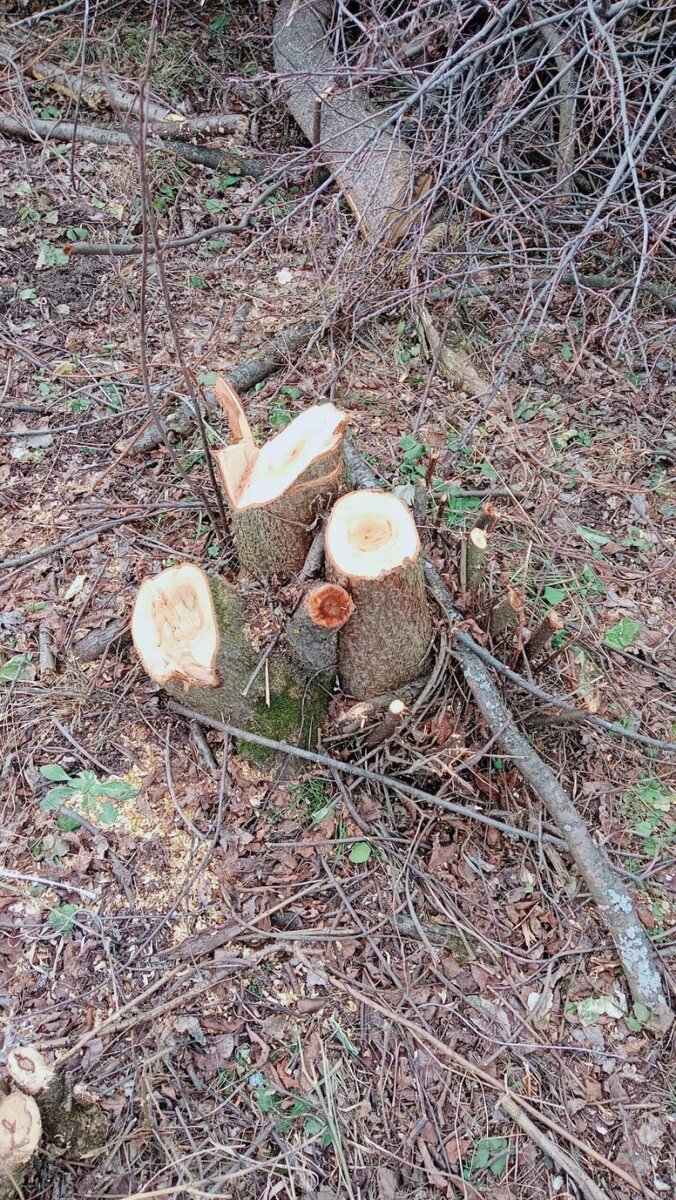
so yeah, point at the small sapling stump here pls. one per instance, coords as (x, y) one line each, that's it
(74, 1128)
(202, 641)
(373, 551)
(276, 492)
(20, 1132)
(312, 629)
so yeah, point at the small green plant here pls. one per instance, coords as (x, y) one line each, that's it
(49, 256)
(62, 918)
(413, 451)
(278, 415)
(86, 792)
(623, 635)
(311, 795)
(360, 853)
(164, 196)
(490, 1154)
(404, 349)
(15, 668)
(220, 23)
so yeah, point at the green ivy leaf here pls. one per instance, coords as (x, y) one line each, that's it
(360, 853)
(14, 668)
(107, 813)
(63, 918)
(55, 798)
(592, 536)
(554, 595)
(49, 256)
(68, 824)
(622, 635)
(54, 773)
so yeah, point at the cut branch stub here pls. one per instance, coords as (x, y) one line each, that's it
(312, 630)
(174, 627)
(275, 493)
(216, 664)
(373, 550)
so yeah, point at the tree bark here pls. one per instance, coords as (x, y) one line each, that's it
(312, 630)
(373, 550)
(276, 493)
(373, 167)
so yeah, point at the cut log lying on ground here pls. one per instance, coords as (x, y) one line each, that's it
(615, 905)
(74, 1128)
(373, 550)
(276, 493)
(373, 167)
(312, 630)
(197, 638)
(34, 129)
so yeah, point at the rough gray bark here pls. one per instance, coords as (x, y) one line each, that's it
(374, 168)
(312, 630)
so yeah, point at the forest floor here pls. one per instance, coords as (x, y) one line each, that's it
(293, 1054)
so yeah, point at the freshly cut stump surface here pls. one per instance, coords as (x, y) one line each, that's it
(200, 639)
(373, 551)
(275, 493)
(313, 629)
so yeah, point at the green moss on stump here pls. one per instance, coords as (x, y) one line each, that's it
(297, 705)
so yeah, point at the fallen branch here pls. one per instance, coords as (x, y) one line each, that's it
(109, 94)
(35, 129)
(466, 1066)
(560, 1157)
(8, 564)
(612, 899)
(348, 768)
(242, 378)
(614, 903)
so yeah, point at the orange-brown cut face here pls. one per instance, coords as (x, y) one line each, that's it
(330, 606)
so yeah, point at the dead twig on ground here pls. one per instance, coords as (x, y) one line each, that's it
(560, 1157)
(612, 899)
(466, 1066)
(348, 768)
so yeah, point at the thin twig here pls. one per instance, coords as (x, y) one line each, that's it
(335, 764)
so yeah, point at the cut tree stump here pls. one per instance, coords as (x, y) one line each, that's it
(202, 641)
(75, 1129)
(20, 1132)
(312, 629)
(373, 550)
(277, 492)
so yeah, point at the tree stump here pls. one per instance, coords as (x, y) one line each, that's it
(312, 629)
(373, 551)
(277, 492)
(202, 641)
